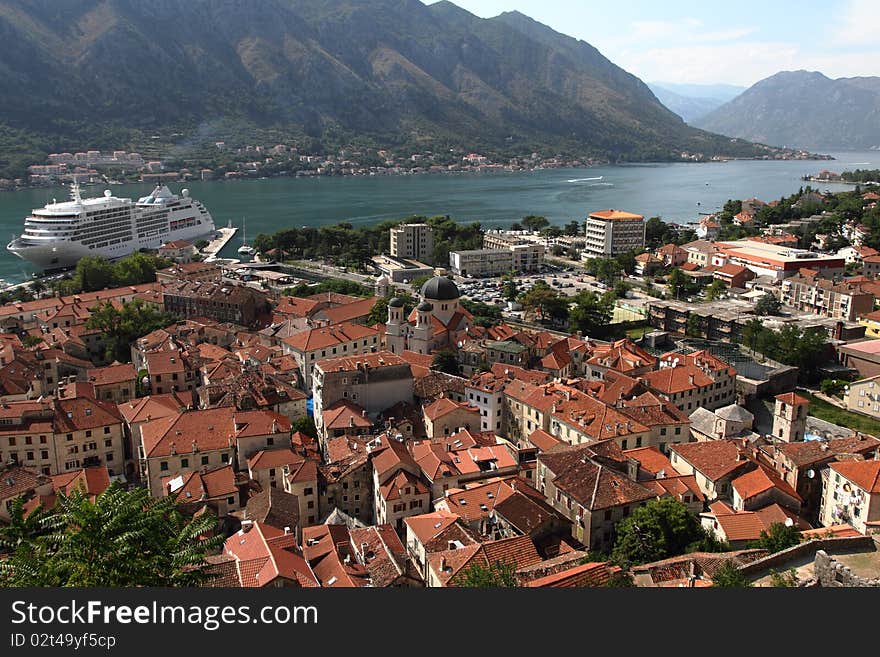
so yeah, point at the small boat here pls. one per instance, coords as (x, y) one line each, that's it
(245, 249)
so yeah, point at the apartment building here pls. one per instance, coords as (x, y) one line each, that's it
(827, 298)
(480, 262)
(612, 232)
(413, 241)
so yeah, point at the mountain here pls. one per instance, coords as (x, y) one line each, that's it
(693, 101)
(804, 109)
(154, 74)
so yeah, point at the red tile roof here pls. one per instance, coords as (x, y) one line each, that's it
(329, 336)
(672, 380)
(444, 406)
(864, 474)
(715, 458)
(792, 399)
(119, 373)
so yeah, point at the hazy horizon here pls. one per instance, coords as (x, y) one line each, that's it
(686, 42)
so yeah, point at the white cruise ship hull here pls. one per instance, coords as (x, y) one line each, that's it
(57, 254)
(61, 234)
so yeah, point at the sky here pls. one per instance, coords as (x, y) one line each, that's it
(713, 42)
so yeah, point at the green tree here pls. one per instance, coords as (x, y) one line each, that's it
(123, 538)
(591, 313)
(500, 574)
(93, 273)
(543, 300)
(446, 361)
(31, 341)
(780, 537)
(751, 332)
(715, 290)
(573, 228)
(784, 580)
(534, 223)
(379, 312)
(767, 305)
(677, 282)
(620, 580)
(122, 327)
(510, 290)
(657, 530)
(729, 576)
(832, 387)
(621, 289)
(304, 424)
(516, 226)
(419, 281)
(694, 328)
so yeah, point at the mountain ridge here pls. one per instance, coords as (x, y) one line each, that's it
(384, 72)
(804, 109)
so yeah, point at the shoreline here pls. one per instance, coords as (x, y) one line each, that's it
(481, 170)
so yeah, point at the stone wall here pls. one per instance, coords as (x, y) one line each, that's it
(781, 560)
(832, 573)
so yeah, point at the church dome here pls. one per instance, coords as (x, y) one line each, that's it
(425, 307)
(395, 303)
(440, 288)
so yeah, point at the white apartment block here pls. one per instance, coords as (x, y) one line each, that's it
(413, 241)
(480, 262)
(612, 232)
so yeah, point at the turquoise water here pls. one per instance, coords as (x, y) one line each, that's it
(677, 192)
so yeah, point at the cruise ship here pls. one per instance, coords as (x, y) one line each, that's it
(57, 235)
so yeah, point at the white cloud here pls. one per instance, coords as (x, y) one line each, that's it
(735, 63)
(857, 24)
(686, 30)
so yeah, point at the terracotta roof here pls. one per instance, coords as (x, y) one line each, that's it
(834, 531)
(83, 413)
(17, 480)
(273, 458)
(759, 481)
(429, 525)
(344, 415)
(518, 550)
(713, 459)
(593, 574)
(543, 440)
(329, 336)
(810, 452)
(864, 474)
(380, 551)
(119, 373)
(273, 507)
(92, 481)
(151, 407)
(792, 399)
(616, 215)
(209, 429)
(349, 311)
(354, 363)
(393, 488)
(729, 270)
(391, 455)
(445, 406)
(672, 380)
(651, 459)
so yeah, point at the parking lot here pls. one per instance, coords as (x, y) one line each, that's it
(568, 282)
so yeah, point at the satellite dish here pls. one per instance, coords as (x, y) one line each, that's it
(811, 473)
(107, 193)
(789, 522)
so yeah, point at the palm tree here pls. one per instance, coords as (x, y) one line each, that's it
(123, 538)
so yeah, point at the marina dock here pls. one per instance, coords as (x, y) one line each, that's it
(216, 245)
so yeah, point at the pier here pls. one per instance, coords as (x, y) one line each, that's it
(216, 245)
